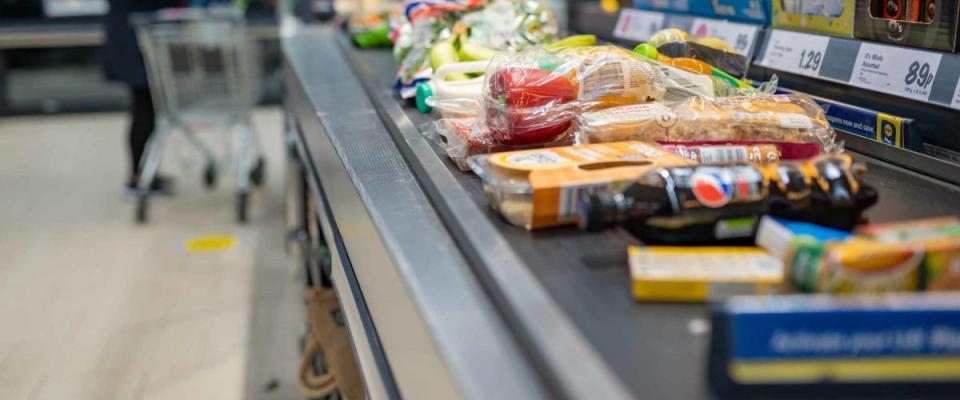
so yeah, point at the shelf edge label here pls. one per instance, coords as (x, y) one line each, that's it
(795, 52)
(638, 25)
(903, 72)
(739, 36)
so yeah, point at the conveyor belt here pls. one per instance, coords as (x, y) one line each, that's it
(650, 347)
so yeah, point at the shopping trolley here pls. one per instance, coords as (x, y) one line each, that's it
(201, 71)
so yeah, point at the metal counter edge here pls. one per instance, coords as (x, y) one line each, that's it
(412, 275)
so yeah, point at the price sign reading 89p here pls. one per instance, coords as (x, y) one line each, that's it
(895, 70)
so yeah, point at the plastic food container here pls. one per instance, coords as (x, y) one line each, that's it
(543, 187)
(794, 123)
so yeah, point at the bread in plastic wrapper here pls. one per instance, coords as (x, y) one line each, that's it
(542, 188)
(795, 123)
(535, 95)
(464, 137)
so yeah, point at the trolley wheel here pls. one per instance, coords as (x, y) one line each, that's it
(243, 200)
(141, 209)
(258, 173)
(210, 176)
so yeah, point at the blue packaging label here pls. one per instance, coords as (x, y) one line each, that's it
(869, 124)
(829, 329)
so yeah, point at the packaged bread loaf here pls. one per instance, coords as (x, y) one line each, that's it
(534, 96)
(794, 123)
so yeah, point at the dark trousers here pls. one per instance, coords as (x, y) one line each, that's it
(142, 121)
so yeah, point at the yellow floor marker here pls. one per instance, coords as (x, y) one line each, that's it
(211, 243)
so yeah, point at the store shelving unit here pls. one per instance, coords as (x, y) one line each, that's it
(931, 99)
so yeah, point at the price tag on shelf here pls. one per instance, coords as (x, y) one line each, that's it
(795, 52)
(638, 25)
(739, 36)
(902, 72)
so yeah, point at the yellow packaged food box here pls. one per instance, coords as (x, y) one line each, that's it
(697, 274)
(833, 17)
(543, 187)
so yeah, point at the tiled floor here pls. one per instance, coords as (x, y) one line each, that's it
(93, 306)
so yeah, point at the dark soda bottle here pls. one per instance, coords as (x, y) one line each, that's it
(710, 204)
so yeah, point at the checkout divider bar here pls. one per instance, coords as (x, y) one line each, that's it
(564, 357)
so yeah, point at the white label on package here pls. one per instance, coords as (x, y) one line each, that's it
(738, 36)
(797, 121)
(795, 52)
(536, 158)
(638, 25)
(687, 83)
(902, 72)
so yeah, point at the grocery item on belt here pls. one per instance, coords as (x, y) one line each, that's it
(929, 231)
(438, 90)
(541, 188)
(535, 95)
(726, 154)
(372, 30)
(901, 257)
(463, 137)
(697, 274)
(709, 204)
(452, 81)
(820, 345)
(794, 123)
(438, 32)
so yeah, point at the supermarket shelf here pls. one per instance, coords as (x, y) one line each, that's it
(631, 26)
(834, 77)
(858, 63)
(43, 34)
(566, 294)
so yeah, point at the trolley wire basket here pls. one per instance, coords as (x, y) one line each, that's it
(201, 69)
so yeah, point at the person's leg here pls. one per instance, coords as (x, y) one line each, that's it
(142, 121)
(142, 124)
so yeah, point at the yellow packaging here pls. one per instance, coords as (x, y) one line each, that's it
(910, 256)
(697, 274)
(542, 187)
(832, 17)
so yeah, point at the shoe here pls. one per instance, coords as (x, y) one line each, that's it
(161, 185)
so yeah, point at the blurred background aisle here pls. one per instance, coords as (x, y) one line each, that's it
(96, 307)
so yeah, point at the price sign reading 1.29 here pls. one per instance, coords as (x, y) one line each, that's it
(902, 72)
(795, 52)
(810, 60)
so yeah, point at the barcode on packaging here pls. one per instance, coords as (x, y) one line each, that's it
(724, 154)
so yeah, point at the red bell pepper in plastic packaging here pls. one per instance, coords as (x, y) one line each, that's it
(529, 105)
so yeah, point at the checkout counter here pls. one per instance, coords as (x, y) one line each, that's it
(443, 299)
